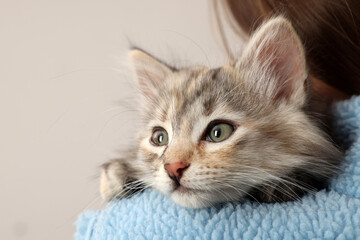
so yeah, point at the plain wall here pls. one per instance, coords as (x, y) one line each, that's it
(66, 96)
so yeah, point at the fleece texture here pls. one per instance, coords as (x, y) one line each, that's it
(329, 214)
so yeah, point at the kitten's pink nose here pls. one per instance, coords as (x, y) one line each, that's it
(175, 170)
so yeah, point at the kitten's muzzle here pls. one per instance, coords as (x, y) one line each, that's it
(176, 170)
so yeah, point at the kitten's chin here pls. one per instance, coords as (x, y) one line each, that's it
(189, 199)
(192, 198)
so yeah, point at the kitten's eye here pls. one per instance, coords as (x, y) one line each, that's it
(159, 137)
(219, 132)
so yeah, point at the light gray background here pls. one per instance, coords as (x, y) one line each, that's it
(63, 87)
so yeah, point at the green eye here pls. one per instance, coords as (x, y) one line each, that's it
(159, 137)
(219, 132)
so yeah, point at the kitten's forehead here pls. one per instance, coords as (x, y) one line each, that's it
(194, 95)
(194, 87)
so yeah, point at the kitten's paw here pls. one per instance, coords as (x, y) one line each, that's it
(112, 180)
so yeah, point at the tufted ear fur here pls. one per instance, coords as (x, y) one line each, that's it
(274, 62)
(150, 72)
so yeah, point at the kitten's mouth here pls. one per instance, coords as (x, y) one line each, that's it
(180, 188)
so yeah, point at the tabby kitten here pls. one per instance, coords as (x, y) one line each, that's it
(244, 130)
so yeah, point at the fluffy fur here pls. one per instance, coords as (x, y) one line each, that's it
(277, 151)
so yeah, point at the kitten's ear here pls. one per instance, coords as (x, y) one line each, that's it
(150, 72)
(274, 61)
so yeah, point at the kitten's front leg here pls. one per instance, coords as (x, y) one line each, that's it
(118, 179)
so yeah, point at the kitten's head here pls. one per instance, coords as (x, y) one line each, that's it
(214, 135)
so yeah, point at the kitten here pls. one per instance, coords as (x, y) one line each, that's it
(244, 130)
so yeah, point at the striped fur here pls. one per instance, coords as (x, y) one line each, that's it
(277, 151)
